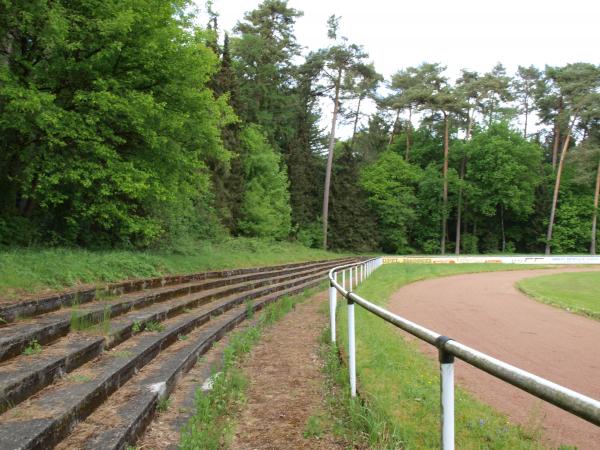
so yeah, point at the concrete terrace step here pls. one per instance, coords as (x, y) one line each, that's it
(43, 420)
(10, 311)
(122, 419)
(23, 376)
(51, 326)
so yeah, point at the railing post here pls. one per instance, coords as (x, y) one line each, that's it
(351, 348)
(350, 279)
(332, 307)
(446, 394)
(344, 279)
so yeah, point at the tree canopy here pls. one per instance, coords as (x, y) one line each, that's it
(128, 124)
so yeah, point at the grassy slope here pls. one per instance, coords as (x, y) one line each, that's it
(577, 292)
(24, 271)
(403, 385)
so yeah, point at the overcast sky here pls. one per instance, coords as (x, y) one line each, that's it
(473, 34)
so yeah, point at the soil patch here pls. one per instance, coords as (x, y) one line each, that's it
(286, 385)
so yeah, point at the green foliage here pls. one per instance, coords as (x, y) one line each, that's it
(573, 223)
(504, 167)
(106, 121)
(265, 210)
(33, 348)
(391, 183)
(351, 225)
(153, 326)
(311, 235)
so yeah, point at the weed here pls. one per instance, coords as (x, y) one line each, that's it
(353, 419)
(105, 294)
(163, 404)
(136, 327)
(249, 309)
(154, 326)
(33, 348)
(182, 337)
(122, 354)
(105, 324)
(84, 320)
(76, 378)
(314, 427)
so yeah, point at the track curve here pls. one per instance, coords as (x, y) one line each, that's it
(486, 311)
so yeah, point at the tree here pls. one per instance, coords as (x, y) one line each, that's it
(549, 104)
(266, 208)
(467, 89)
(406, 87)
(586, 163)
(303, 158)
(494, 91)
(352, 222)
(391, 183)
(339, 59)
(578, 84)
(524, 86)
(504, 168)
(106, 122)
(263, 54)
(362, 83)
(438, 95)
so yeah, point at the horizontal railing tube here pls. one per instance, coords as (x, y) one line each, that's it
(582, 406)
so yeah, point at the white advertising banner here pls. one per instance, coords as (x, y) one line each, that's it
(492, 259)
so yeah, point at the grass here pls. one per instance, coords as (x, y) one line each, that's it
(163, 404)
(400, 385)
(154, 327)
(351, 419)
(81, 321)
(76, 378)
(575, 292)
(315, 427)
(32, 270)
(213, 422)
(34, 348)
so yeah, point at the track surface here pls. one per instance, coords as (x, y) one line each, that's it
(487, 312)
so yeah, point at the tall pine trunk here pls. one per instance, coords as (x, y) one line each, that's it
(502, 228)
(463, 167)
(408, 133)
(595, 216)
(336, 106)
(526, 117)
(555, 144)
(391, 140)
(557, 188)
(445, 192)
(355, 122)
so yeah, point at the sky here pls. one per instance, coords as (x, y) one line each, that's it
(458, 34)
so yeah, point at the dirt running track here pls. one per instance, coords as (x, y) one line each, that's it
(487, 312)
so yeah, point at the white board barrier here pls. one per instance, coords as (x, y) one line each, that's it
(492, 259)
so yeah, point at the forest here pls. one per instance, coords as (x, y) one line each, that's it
(130, 124)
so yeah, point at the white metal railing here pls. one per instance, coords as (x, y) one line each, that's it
(578, 404)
